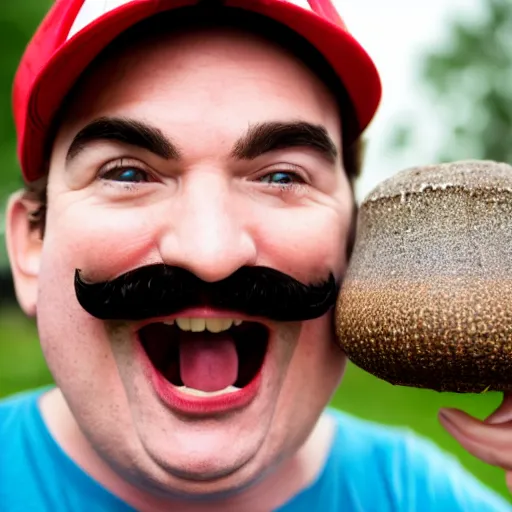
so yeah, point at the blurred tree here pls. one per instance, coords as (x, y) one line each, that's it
(469, 81)
(18, 20)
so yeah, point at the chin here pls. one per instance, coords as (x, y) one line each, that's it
(208, 455)
(200, 475)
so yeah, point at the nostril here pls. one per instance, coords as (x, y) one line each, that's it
(210, 251)
(214, 267)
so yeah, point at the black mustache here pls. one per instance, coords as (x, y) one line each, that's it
(163, 290)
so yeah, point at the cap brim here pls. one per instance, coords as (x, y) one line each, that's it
(348, 59)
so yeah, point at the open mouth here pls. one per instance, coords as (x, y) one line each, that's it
(206, 356)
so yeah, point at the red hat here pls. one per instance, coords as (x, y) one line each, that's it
(74, 32)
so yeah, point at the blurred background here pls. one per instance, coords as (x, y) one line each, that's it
(447, 74)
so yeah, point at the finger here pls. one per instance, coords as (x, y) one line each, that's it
(491, 443)
(508, 479)
(503, 413)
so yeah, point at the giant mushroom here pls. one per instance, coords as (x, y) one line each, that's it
(427, 298)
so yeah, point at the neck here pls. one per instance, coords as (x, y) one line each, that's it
(289, 478)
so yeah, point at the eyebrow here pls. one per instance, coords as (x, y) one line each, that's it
(270, 136)
(126, 131)
(261, 138)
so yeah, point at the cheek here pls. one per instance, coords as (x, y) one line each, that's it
(313, 375)
(306, 242)
(103, 242)
(74, 342)
(318, 361)
(316, 368)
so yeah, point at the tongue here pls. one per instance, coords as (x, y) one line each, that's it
(208, 363)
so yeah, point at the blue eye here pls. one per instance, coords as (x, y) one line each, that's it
(281, 178)
(127, 175)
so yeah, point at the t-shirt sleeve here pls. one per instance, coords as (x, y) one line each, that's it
(431, 480)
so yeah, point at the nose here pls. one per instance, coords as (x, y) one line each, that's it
(205, 231)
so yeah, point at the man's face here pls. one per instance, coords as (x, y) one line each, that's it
(200, 205)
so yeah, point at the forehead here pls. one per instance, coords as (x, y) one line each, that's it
(204, 78)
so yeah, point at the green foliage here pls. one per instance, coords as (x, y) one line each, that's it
(22, 365)
(18, 20)
(468, 84)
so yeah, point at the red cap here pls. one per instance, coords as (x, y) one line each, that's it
(74, 32)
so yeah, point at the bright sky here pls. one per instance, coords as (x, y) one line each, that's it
(395, 33)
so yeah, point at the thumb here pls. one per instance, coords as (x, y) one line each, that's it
(489, 441)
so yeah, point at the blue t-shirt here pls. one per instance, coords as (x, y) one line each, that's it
(370, 468)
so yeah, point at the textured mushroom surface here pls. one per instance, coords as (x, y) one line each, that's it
(427, 298)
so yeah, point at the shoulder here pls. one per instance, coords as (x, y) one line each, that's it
(18, 430)
(406, 470)
(16, 409)
(35, 473)
(19, 425)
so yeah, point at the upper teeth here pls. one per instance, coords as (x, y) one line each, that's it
(205, 324)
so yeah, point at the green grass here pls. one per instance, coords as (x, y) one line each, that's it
(22, 367)
(21, 362)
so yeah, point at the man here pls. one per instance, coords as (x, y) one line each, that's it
(183, 234)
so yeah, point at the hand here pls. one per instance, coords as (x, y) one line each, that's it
(489, 440)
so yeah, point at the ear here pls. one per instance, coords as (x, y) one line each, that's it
(24, 246)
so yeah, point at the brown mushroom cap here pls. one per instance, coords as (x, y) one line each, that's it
(427, 298)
